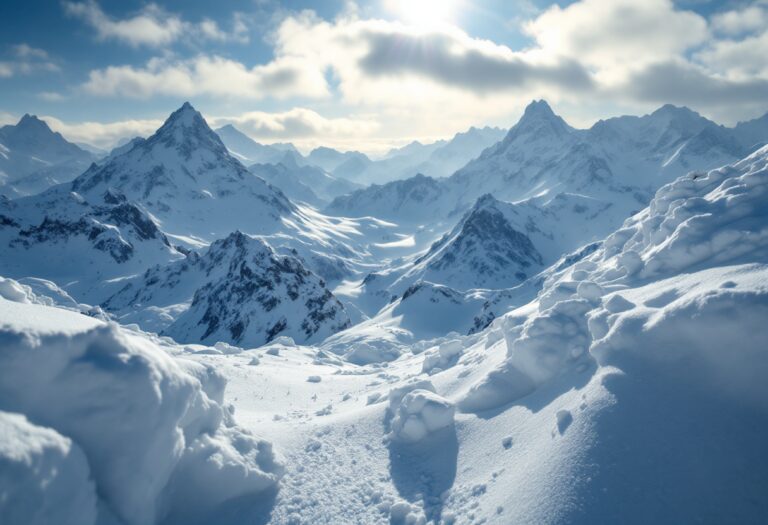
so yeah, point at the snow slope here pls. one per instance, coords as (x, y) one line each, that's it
(248, 151)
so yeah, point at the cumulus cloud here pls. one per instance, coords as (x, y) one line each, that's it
(152, 26)
(739, 59)
(209, 75)
(606, 34)
(298, 123)
(738, 21)
(103, 135)
(429, 80)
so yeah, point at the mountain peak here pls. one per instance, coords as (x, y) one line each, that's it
(670, 111)
(31, 122)
(539, 108)
(538, 119)
(186, 115)
(186, 129)
(485, 201)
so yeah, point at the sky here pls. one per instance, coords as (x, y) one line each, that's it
(373, 74)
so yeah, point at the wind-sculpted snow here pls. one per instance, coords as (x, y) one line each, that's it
(159, 443)
(44, 476)
(239, 291)
(701, 220)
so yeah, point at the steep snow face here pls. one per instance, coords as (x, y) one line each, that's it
(184, 175)
(34, 158)
(247, 150)
(484, 249)
(159, 443)
(303, 183)
(58, 235)
(239, 291)
(123, 148)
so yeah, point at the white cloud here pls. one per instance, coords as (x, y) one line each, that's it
(153, 26)
(209, 75)
(738, 59)
(750, 18)
(304, 127)
(103, 135)
(431, 81)
(610, 34)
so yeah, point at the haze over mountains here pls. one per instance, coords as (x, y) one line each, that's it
(442, 335)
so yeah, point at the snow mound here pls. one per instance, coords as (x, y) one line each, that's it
(419, 414)
(692, 319)
(159, 443)
(695, 222)
(44, 476)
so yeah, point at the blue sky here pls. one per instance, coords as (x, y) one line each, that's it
(372, 74)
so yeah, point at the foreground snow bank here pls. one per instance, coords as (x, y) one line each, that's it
(159, 443)
(43, 476)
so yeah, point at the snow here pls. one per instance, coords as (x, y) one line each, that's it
(44, 476)
(419, 414)
(622, 381)
(110, 390)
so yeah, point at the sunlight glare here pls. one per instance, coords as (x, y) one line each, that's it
(424, 13)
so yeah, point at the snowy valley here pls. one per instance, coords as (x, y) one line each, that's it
(543, 324)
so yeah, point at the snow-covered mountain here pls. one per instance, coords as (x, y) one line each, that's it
(302, 182)
(184, 175)
(34, 158)
(60, 236)
(623, 160)
(238, 291)
(411, 200)
(613, 385)
(495, 246)
(437, 159)
(248, 151)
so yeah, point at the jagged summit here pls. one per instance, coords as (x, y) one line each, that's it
(31, 121)
(184, 175)
(538, 121)
(485, 201)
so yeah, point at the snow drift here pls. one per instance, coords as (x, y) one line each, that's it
(159, 443)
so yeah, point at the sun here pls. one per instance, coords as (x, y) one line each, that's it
(424, 12)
